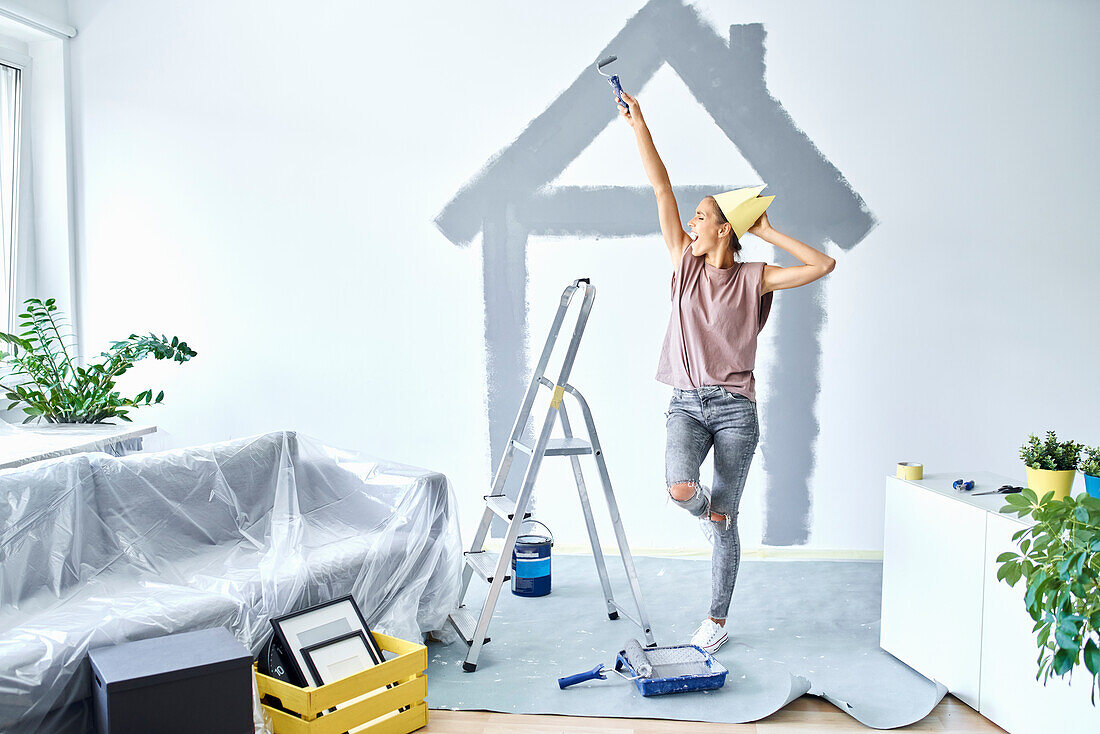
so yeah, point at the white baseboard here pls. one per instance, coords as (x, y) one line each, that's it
(767, 552)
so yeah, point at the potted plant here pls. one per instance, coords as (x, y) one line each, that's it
(1050, 465)
(1059, 560)
(42, 376)
(1090, 467)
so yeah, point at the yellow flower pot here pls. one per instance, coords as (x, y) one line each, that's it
(1048, 480)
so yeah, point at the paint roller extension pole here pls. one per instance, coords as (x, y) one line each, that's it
(597, 673)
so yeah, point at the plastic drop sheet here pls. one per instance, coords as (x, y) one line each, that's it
(97, 550)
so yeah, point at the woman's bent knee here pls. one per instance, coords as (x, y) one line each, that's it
(683, 491)
(689, 495)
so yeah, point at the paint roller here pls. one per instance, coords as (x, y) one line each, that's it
(612, 79)
(637, 658)
(634, 655)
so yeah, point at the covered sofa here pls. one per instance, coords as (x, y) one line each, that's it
(97, 550)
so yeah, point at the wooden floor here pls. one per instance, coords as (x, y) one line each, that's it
(807, 714)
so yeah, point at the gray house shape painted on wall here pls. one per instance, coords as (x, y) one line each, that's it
(510, 199)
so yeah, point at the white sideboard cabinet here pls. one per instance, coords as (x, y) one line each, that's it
(945, 614)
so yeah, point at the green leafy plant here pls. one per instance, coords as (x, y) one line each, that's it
(1091, 464)
(42, 375)
(1050, 454)
(1059, 561)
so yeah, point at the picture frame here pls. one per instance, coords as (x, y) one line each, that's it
(318, 624)
(343, 656)
(339, 657)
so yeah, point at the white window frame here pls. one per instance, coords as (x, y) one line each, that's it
(23, 203)
(46, 260)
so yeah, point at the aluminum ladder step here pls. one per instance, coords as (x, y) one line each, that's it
(503, 507)
(559, 447)
(465, 624)
(484, 563)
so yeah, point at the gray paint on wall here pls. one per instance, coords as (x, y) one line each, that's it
(606, 211)
(504, 265)
(510, 200)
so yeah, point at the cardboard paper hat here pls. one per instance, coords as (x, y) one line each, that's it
(743, 207)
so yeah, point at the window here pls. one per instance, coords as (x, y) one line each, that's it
(10, 113)
(37, 252)
(37, 248)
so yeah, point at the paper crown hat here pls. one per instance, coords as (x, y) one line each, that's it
(743, 207)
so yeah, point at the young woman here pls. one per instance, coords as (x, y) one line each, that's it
(719, 305)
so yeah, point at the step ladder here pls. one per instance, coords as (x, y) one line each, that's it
(493, 568)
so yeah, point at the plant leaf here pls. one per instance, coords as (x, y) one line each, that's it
(1092, 657)
(1064, 660)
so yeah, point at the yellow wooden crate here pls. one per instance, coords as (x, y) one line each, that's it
(366, 705)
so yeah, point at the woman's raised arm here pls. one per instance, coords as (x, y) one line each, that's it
(676, 239)
(817, 264)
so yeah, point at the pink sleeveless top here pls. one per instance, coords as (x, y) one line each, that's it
(716, 315)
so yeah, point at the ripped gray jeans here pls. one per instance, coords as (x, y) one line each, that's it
(696, 420)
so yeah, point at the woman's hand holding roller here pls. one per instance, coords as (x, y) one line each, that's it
(632, 113)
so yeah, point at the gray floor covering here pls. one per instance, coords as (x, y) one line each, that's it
(795, 627)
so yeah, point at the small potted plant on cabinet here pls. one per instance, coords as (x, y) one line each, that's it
(1090, 467)
(1051, 464)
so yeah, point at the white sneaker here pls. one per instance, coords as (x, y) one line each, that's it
(710, 636)
(707, 526)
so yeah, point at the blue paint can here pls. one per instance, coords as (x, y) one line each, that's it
(531, 563)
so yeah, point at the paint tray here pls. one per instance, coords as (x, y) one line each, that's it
(675, 669)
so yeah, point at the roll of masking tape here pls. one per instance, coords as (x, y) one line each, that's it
(910, 470)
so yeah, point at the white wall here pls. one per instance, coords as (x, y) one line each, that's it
(53, 11)
(260, 178)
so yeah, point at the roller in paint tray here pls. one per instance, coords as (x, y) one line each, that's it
(658, 670)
